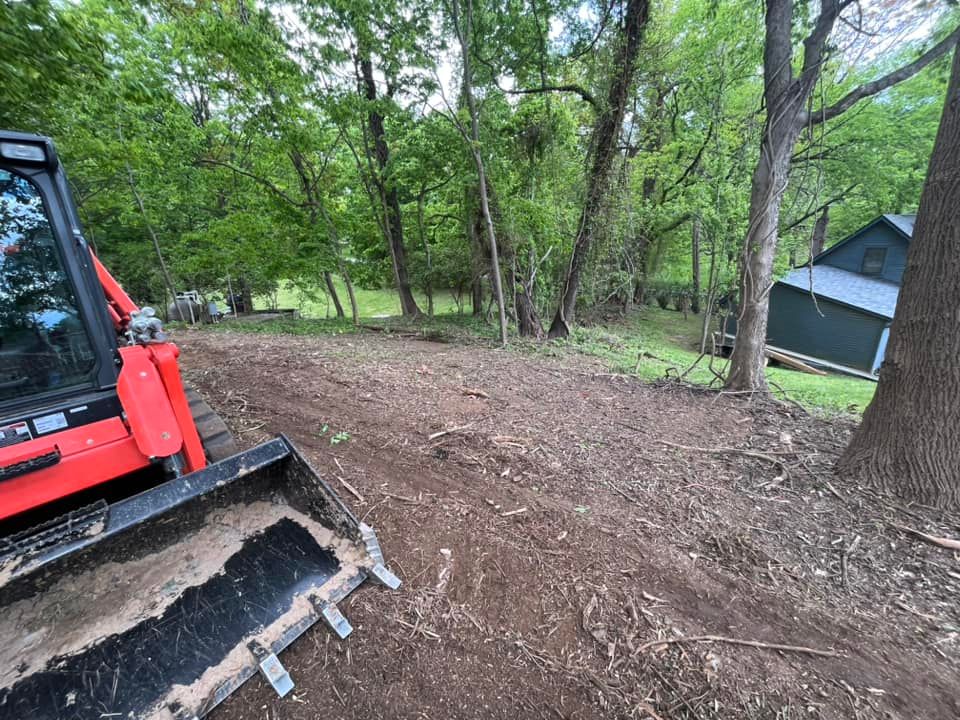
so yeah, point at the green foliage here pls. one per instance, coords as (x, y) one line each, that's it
(241, 126)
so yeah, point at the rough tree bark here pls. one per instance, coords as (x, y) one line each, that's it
(907, 443)
(606, 135)
(465, 35)
(393, 220)
(786, 97)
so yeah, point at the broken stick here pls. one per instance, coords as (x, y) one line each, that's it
(449, 431)
(735, 641)
(351, 489)
(724, 451)
(948, 543)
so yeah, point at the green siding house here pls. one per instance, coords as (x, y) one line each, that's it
(836, 312)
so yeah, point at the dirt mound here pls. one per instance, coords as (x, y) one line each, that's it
(565, 535)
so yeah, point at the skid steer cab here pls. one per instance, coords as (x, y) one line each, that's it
(147, 568)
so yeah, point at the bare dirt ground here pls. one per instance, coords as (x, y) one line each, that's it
(566, 541)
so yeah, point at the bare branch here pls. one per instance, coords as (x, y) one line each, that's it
(584, 94)
(836, 198)
(256, 178)
(890, 79)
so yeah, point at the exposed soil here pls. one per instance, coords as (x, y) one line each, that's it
(568, 521)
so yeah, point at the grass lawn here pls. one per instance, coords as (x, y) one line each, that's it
(371, 303)
(650, 342)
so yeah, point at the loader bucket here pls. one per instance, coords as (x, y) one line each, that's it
(161, 605)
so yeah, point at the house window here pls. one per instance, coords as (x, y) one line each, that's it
(873, 260)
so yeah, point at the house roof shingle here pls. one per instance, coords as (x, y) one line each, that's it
(903, 223)
(860, 291)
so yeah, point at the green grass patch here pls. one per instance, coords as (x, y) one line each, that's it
(652, 341)
(377, 304)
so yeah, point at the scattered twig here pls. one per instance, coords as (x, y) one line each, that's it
(835, 492)
(449, 431)
(735, 641)
(404, 498)
(948, 543)
(623, 493)
(724, 451)
(472, 392)
(352, 490)
(845, 557)
(513, 512)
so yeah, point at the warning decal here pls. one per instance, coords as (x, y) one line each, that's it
(14, 433)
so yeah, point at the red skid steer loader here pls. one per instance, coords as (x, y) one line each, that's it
(147, 569)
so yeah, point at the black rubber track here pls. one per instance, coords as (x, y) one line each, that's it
(216, 437)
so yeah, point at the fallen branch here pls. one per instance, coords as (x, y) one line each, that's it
(414, 501)
(948, 543)
(735, 641)
(724, 451)
(472, 392)
(513, 512)
(449, 431)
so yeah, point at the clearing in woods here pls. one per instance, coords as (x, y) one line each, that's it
(569, 521)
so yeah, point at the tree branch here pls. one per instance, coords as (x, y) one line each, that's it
(584, 94)
(888, 80)
(836, 198)
(262, 181)
(673, 225)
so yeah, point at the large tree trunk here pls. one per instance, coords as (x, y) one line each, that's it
(785, 98)
(393, 221)
(907, 443)
(606, 136)
(747, 361)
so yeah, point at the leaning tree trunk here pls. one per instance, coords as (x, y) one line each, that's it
(606, 137)
(393, 220)
(907, 443)
(332, 291)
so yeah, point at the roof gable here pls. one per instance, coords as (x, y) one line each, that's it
(901, 224)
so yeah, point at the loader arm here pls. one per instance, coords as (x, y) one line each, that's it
(119, 305)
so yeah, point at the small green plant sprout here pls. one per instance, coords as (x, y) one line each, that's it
(339, 438)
